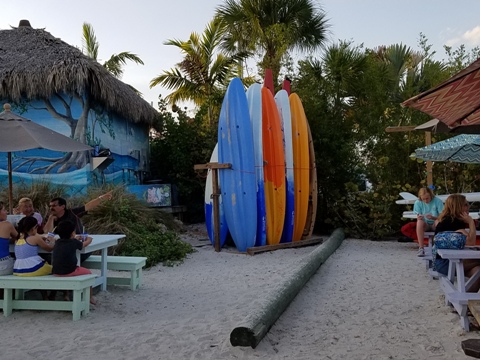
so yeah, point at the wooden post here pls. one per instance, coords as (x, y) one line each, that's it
(216, 210)
(10, 184)
(216, 192)
(428, 141)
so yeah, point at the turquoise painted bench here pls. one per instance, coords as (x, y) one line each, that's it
(79, 285)
(120, 263)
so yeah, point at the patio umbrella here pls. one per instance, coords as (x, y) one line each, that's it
(463, 148)
(18, 133)
(456, 101)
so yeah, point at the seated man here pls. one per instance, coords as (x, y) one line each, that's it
(59, 212)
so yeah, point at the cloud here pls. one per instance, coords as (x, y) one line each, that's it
(470, 38)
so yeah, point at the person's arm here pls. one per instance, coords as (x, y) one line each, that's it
(48, 227)
(417, 209)
(40, 242)
(87, 242)
(472, 231)
(97, 201)
(13, 233)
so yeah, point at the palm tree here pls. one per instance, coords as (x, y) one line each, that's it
(116, 62)
(273, 27)
(203, 73)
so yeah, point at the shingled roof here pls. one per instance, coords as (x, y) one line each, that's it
(34, 64)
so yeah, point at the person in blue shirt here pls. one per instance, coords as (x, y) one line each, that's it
(428, 207)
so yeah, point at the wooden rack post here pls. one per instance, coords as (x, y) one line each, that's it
(216, 192)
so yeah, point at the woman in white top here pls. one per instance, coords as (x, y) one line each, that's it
(25, 207)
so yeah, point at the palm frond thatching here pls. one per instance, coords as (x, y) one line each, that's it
(36, 65)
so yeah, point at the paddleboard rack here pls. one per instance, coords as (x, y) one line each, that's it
(216, 192)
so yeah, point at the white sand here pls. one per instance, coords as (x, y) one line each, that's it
(370, 300)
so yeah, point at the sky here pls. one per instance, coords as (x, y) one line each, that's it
(142, 26)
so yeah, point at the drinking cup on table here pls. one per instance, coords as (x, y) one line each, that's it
(83, 237)
(51, 237)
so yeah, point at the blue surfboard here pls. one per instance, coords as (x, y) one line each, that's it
(254, 98)
(283, 105)
(209, 219)
(239, 185)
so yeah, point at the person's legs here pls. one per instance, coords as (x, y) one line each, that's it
(421, 226)
(80, 271)
(6, 265)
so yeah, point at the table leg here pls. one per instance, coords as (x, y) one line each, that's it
(460, 276)
(103, 269)
(471, 281)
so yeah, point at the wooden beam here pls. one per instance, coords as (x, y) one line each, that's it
(212, 165)
(400, 128)
(293, 244)
(428, 141)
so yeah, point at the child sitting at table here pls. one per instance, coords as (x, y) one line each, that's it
(64, 258)
(27, 260)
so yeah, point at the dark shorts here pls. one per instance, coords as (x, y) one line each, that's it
(441, 266)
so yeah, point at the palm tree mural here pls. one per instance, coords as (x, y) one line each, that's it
(272, 27)
(203, 73)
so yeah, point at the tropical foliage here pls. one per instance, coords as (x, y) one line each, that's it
(116, 62)
(203, 74)
(179, 144)
(272, 28)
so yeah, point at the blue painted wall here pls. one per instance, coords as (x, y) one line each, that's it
(127, 141)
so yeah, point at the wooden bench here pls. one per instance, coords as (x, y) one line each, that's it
(80, 286)
(460, 302)
(121, 263)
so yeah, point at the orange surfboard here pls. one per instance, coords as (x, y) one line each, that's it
(273, 167)
(301, 165)
(313, 190)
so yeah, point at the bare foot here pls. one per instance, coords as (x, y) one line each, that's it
(93, 301)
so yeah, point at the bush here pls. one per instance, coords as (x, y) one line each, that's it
(149, 232)
(158, 246)
(365, 215)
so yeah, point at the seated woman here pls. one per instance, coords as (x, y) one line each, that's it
(427, 208)
(7, 235)
(25, 207)
(455, 217)
(28, 262)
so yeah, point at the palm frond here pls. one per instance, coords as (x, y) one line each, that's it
(89, 41)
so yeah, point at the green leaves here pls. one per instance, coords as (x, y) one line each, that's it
(203, 74)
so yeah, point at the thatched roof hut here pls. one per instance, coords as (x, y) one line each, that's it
(34, 64)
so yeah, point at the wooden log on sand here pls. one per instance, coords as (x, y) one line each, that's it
(260, 320)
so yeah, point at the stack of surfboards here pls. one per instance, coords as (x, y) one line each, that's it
(269, 195)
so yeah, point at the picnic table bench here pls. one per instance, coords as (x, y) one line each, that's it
(79, 285)
(454, 285)
(132, 264)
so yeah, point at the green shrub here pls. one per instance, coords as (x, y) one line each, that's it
(155, 243)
